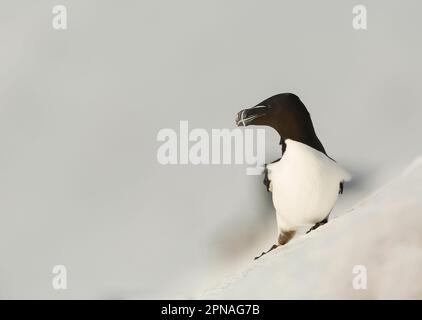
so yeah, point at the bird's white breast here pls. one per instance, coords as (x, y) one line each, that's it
(305, 185)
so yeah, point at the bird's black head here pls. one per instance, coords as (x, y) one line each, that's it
(287, 115)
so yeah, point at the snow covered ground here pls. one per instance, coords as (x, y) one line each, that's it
(381, 233)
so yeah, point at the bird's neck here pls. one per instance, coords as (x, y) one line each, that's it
(300, 131)
(311, 140)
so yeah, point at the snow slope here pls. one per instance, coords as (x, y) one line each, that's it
(383, 233)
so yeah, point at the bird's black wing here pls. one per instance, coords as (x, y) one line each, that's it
(341, 188)
(267, 181)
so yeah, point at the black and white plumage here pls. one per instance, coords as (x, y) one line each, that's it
(305, 182)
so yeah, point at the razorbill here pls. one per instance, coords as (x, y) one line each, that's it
(305, 182)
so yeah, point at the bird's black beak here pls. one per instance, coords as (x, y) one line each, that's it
(246, 117)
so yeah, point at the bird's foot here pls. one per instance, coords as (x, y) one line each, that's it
(265, 252)
(317, 225)
(283, 238)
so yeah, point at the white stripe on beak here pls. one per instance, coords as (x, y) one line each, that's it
(242, 120)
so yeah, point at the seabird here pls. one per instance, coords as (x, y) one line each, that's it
(305, 182)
